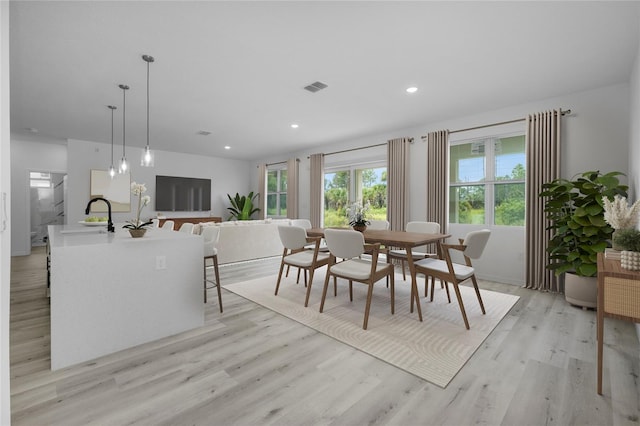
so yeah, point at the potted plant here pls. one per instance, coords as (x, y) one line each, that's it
(629, 241)
(357, 214)
(575, 209)
(242, 206)
(620, 215)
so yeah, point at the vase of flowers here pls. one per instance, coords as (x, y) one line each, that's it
(136, 226)
(357, 214)
(620, 215)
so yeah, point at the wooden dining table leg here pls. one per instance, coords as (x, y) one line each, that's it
(414, 284)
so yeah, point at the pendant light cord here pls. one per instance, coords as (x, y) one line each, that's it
(147, 105)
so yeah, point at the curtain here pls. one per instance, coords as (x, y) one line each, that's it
(293, 182)
(316, 189)
(437, 169)
(397, 182)
(262, 190)
(543, 165)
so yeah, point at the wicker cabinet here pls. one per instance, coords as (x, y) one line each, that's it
(618, 297)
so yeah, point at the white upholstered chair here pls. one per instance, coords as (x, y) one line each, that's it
(349, 245)
(401, 254)
(448, 271)
(294, 239)
(210, 236)
(378, 224)
(186, 227)
(168, 224)
(156, 222)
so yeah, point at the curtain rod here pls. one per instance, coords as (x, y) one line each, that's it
(279, 162)
(359, 148)
(565, 112)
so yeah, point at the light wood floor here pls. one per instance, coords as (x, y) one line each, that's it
(252, 366)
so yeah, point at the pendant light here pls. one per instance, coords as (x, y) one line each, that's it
(112, 170)
(147, 155)
(124, 167)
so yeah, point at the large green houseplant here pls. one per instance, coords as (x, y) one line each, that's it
(242, 206)
(575, 209)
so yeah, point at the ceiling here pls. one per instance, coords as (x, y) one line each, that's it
(238, 69)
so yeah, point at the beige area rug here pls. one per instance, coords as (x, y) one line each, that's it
(434, 350)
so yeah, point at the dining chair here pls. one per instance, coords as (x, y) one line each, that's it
(155, 222)
(210, 236)
(306, 224)
(448, 271)
(401, 254)
(349, 245)
(378, 224)
(186, 227)
(294, 239)
(168, 224)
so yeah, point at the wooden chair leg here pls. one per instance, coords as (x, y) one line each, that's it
(324, 290)
(459, 296)
(306, 300)
(215, 268)
(335, 287)
(368, 307)
(404, 273)
(393, 294)
(279, 276)
(287, 274)
(446, 286)
(351, 290)
(475, 285)
(205, 280)
(298, 278)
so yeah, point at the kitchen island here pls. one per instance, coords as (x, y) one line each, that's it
(110, 291)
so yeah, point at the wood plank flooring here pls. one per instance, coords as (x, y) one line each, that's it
(252, 366)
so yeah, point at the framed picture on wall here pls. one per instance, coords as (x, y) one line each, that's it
(117, 190)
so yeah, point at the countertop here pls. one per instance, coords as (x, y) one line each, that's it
(80, 235)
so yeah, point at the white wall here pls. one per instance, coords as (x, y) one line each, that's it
(594, 136)
(5, 234)
(78, 158)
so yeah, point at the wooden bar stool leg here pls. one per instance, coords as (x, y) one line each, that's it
(215, 267)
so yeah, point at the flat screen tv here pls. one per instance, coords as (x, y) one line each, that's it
(182, 194)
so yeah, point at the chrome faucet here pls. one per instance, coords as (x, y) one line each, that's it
(110, 227)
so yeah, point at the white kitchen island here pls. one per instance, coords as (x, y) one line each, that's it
(110, 291)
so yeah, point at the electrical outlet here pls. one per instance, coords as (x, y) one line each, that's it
(161, 262)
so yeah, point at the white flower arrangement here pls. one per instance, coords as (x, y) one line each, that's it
(357, 214)
(138, 189)
(619, 214)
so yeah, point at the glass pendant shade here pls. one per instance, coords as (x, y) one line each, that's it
(124, 166)
(112, 170)
(147, 156)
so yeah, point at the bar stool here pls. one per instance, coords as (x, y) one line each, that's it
(210, 235)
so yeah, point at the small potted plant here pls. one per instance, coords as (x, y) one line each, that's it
(137, 227)
(357, 214)
(629, 241)
(620, 216)
(242, 206)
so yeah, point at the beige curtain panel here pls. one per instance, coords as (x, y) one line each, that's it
(397, 182)
(262, 190)
(543, 165)
(316, 192)
(437, 169)
(293, 183)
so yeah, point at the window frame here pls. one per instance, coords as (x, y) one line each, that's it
(490, 180)
(278, 193)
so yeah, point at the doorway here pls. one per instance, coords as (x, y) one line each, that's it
(47, 194)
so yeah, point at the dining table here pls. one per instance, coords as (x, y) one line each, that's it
(399, 239)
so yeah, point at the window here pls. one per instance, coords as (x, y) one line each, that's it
(486, 181)
(348, 184)
(40, 180)
(277, 193)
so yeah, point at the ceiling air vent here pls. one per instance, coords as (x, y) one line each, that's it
(203, 133)
(315, 87)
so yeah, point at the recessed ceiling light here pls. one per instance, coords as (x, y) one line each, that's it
(203, 133)
(31, 130)
(227, 147)
(294, 126)
(412, 89)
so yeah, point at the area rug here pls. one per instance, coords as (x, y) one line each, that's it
(434, 350)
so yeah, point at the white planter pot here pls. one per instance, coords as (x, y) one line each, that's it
(581, 291)
(630, 260)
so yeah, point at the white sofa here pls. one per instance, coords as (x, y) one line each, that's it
(247, 239)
